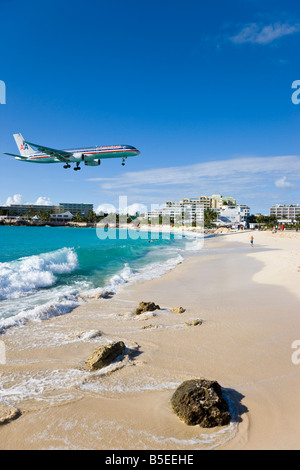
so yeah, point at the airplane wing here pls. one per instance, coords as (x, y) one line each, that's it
(62, 155)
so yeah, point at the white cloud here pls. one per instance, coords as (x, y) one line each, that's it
(43, 201)
(283, 183)
(133, 208)
(249, 179)
(106, 208)
(130, 209)
(16, 199)
(231, 171)
(264, 35)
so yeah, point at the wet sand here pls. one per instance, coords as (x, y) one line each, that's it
(248, 301)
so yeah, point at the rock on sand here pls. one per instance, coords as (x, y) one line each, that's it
(200, 401)
(8, 413)
(104, 355)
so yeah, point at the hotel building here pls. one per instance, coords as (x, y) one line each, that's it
(216, 201)
(284, 212)
(192, 209)
(233, 215)
(23, 210)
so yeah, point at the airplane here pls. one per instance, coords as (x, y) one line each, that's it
(91, 156)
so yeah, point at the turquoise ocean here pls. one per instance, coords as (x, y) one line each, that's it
(48, 271)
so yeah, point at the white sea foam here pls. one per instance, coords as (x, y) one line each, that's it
(30, 385)
(25, 275)
(61, 305)
(118, 386)
(23, 279)
(130, 276)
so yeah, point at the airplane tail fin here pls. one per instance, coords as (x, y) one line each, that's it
(24, 149)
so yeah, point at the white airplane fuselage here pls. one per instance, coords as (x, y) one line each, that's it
(88, 154)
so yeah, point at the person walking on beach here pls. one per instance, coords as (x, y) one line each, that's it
(251, 241)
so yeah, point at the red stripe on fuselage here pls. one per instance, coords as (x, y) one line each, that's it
(90, 153)
(109, 151)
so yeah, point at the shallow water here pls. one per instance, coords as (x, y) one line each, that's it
(48, 271)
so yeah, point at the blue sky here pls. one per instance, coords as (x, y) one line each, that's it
(203, 89)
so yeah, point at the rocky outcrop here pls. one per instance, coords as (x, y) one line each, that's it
(178, 310)
(8, 413)
(195, 322)
(146, 307)
(104, 355)
(200, 401)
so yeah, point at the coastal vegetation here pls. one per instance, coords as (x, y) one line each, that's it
(43, 217)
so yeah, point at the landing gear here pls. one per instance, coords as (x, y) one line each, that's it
(67, 166)
(77, 167)
(123, 161)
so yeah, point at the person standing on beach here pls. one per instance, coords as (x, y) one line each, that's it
(251, 241)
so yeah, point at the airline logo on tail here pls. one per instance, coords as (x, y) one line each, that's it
(24, 146)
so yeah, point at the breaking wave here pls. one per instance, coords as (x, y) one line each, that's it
(25, 275)
(34, 281)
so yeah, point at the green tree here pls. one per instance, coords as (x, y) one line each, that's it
(92, 217)
(252, 219)
(210, 216)
(44, 215)
(77, 217)
(31, 213)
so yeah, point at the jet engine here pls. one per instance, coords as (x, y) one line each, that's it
(93, 163)
(79, 157)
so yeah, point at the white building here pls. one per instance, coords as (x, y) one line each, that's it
(285, 213)
(177, 214)
(233, 215)
(65, 217)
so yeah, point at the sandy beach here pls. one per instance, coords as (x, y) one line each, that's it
(247, 301)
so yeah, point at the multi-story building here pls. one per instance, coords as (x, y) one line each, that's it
(27, 209)
(192, 209)
(286, 213)
(177, 214)
(30, 209)
(233, 215)
(216, 201)
(83, 209)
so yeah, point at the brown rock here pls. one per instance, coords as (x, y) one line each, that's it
(8, 413)
(178, 310)
(200, 401)
(104, 355)
(194, 322)
(146, 307)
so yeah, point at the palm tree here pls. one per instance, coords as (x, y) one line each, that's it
(210, 216)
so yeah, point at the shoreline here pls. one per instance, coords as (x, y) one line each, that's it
(244, 342)
(129, 226)
(70, 301)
